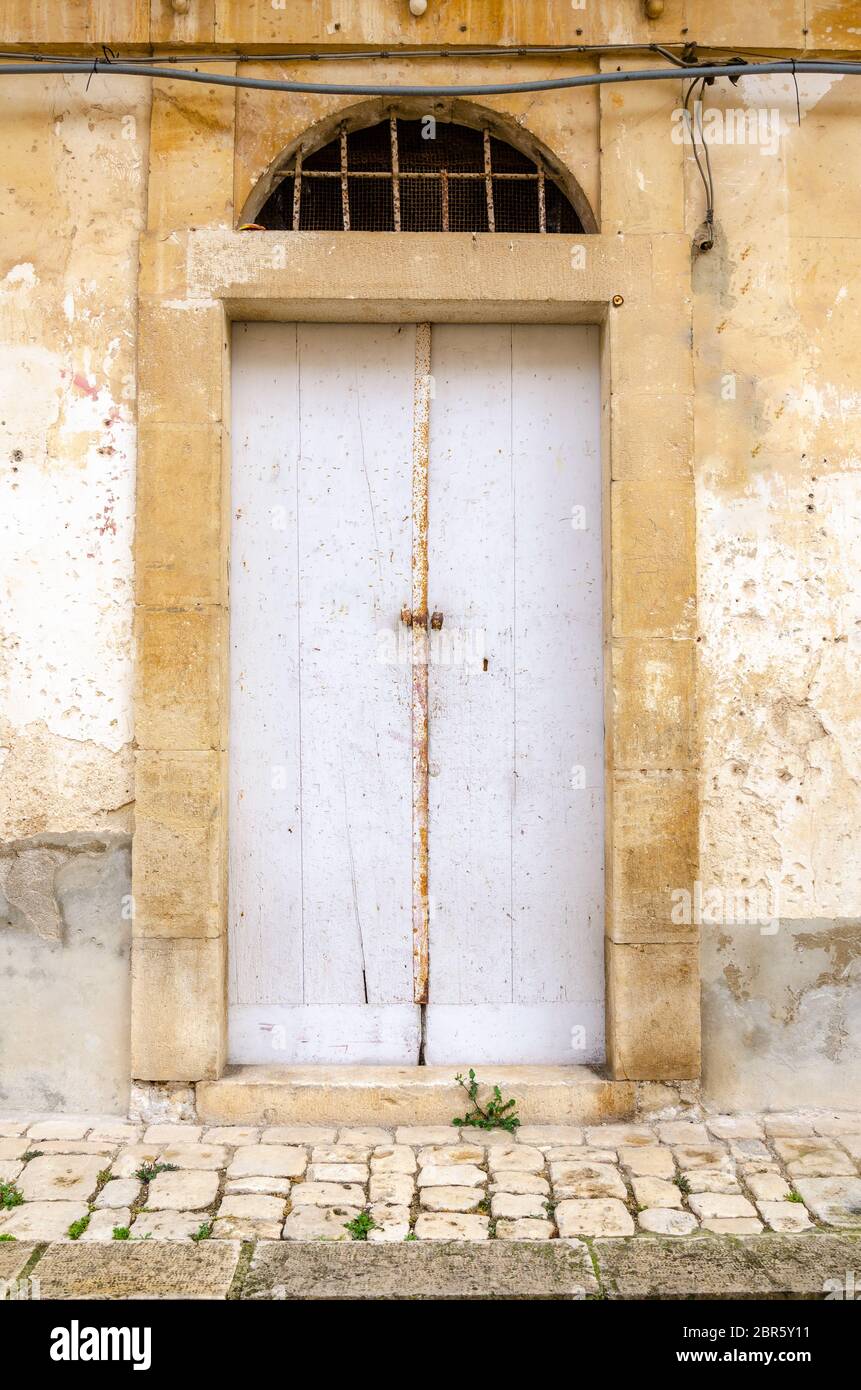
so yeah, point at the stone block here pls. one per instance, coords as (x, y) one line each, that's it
(171, 335)
(61, 1177)
(604, 1217)
(654, 858)
(653, 1011)
(268, 1160)
(178, 1008)
(653, 704)
(654, 571)
(138, 1269)
(186, 1190)
(451, 1226)
(180, 697)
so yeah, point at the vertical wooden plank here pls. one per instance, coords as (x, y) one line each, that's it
(471, 709)
(356, 415)
(265, 831)
(558, 830)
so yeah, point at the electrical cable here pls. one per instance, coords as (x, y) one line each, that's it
(706, 235)
(359, 55)
(595, 79)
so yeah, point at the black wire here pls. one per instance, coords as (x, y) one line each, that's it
(366, 89)
(696, 129)
(357, 55)
(354, 55)
(710, 192)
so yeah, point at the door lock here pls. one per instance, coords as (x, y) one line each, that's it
(411, 619)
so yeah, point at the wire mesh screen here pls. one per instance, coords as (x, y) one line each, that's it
(417, 176)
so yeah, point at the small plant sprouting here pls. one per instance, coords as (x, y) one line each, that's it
(203, 1232)
(32, 1153)
(682, 1184)
(494, 1114)
(484, 1206)
(121, 1233)
(103, 1176)
(793, 1196)
(411, 1235)
(9, 1196)
(361, 1225)
(148, 1171)
(6, 1236)
(77, 1228)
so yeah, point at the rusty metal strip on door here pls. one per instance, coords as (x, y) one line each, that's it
(419, 627)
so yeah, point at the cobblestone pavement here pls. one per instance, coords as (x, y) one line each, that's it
(100, 1179)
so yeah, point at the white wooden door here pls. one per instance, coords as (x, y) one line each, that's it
(323, 796)
(320, 809)
(516, 718)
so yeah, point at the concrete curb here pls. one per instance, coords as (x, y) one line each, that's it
(813, 1266)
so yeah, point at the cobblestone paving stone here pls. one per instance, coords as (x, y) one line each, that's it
(111, 1179)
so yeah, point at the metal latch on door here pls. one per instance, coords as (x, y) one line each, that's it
(411, 619)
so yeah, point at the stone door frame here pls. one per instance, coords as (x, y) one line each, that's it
(193, 284)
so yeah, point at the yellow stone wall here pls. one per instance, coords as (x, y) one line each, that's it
(732, 438)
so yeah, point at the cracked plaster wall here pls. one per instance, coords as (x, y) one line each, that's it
(74, 169)
(777, 335)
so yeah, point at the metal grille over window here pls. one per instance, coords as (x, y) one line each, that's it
(417, 176)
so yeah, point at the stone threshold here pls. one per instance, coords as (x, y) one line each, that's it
(812, 1267)
(346, 1095)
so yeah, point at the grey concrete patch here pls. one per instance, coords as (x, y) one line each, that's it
(27, 896)
(528, 1269)
(781, 1017)
(64, 968)
(139, 1269)
(13, 1257)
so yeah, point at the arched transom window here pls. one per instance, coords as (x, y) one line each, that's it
(417, 176)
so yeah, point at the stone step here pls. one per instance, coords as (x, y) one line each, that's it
(406, 1095)
(814, 1266)
(702, 1267)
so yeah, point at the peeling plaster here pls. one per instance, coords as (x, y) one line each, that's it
(72, 218)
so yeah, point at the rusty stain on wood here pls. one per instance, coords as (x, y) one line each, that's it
(488, 184)
(443, 193)
(297, 191)
(396, 179)
(421, 449)
(345, 187)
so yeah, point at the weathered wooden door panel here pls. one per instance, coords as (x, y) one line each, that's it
(321, 786)
(320, 752)
(471, 582)
(516, 742)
